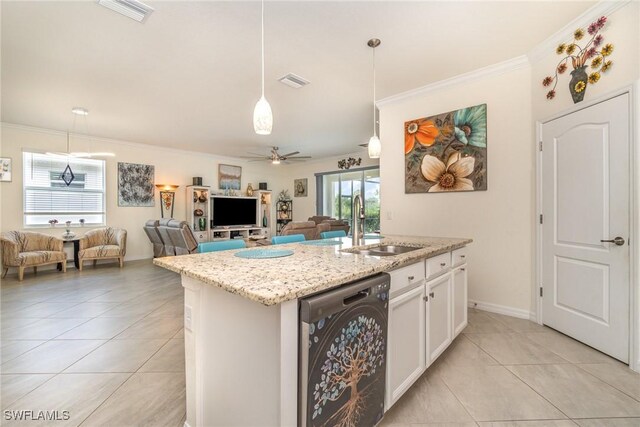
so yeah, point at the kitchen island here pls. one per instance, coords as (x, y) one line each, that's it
(241, 321)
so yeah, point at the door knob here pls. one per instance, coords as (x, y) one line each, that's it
(618, 241)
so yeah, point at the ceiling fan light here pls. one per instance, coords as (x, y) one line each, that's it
(262, 117)
(374, 147)
(275, 161)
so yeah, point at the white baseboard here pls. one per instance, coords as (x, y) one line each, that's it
(501, 309)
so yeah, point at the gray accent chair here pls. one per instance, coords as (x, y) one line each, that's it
(151, 228)
(182, 238)
(308, 228)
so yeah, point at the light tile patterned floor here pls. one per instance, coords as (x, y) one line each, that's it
(107, 345)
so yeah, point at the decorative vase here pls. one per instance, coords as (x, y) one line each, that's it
(202, 222)
(578, 84)
(249, 190)
(264, 218)
(203, 197)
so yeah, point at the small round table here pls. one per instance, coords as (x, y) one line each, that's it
(76, 249)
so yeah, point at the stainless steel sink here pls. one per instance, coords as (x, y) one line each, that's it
(384, 250)
(395, 249)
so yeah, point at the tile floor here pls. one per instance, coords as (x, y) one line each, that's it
(107, 345)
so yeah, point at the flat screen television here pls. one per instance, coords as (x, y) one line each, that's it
(233, 211)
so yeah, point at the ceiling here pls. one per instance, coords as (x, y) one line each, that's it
(189, 77)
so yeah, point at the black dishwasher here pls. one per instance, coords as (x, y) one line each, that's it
(343, 344)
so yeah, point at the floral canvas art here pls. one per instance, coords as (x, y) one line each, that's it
(447, 152)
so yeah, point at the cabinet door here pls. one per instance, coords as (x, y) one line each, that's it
(459, 299)
(439, 322)
(406, 356)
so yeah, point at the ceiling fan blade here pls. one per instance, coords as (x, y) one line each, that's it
(364, 145)
(299, 157)
(257, 154)
(262, 159)
(289, 154)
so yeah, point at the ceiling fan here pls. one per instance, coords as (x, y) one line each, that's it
(275, 158)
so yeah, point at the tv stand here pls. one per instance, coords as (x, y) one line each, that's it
(224, 233)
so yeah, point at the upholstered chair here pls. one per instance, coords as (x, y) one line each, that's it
(24, 249)
(103, 243)
(163, 230)
(308, 228)
(319, 218)
(151, 229)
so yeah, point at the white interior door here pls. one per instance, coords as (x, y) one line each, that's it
(585, 199)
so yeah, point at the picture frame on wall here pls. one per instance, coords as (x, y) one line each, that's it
(136, 185)
(6, 169)
(229, 177)
(300, 187)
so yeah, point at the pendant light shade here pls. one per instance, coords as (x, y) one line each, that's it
(262, 115)
(375, 146)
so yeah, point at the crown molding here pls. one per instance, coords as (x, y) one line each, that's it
(491, 70)
(137, 145)
(603, 8)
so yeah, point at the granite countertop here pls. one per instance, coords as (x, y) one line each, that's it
(309, 270)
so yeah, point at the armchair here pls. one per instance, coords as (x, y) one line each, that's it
(103, 243)
(307, 228)
(27, 249)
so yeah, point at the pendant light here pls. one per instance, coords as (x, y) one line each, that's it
(262, 115)
(67, 175)
(374, 147)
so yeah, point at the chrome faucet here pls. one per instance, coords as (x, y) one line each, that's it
(357, 232)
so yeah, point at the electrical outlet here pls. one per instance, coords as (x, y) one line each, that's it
(188, 318)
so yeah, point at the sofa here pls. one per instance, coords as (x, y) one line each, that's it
(179, 233)
(307, 228)
(103, 243)
(22, 249)
(327, 223)
(151, 229)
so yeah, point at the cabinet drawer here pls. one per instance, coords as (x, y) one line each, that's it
(404, 277)
(459, 256)
(201, 236)
(438, 265)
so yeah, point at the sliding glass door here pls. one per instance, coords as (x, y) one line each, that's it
(338, 189)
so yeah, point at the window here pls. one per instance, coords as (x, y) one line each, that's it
(336, 191)
(47, 197)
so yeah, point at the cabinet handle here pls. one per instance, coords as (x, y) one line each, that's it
(425, 299)
(463, 269)
(442, 264)
(411, 278)
(463, 256)
(432, 294)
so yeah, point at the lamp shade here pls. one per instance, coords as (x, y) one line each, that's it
(374, 147)
(262, 117)
(167, 187)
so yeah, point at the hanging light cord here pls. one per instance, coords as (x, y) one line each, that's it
(262, 45)
(374, 92)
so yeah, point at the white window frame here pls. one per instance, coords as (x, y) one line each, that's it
(53, 214)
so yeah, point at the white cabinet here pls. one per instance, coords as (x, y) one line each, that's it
(439, 324)
(406, 350)
(438, 265)
(406, 277)
(459, 284)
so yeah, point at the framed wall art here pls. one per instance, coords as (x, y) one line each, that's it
(5, 169)
(229, 177)
(447, 152)
(300, 187)
(135, 185)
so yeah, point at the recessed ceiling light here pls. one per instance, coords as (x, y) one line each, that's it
(133, 9)
(81, 111)
(294, 81)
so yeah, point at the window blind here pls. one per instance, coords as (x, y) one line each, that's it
(47, 197)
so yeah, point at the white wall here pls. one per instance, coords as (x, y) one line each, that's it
(500, 220)
(172, 166)
(304, 207)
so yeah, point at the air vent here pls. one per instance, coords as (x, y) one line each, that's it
(294, 81)
(130, 8)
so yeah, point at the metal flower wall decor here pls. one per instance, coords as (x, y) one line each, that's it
(348, 163)
(592, 54)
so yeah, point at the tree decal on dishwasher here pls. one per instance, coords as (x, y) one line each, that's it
(356, 352)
